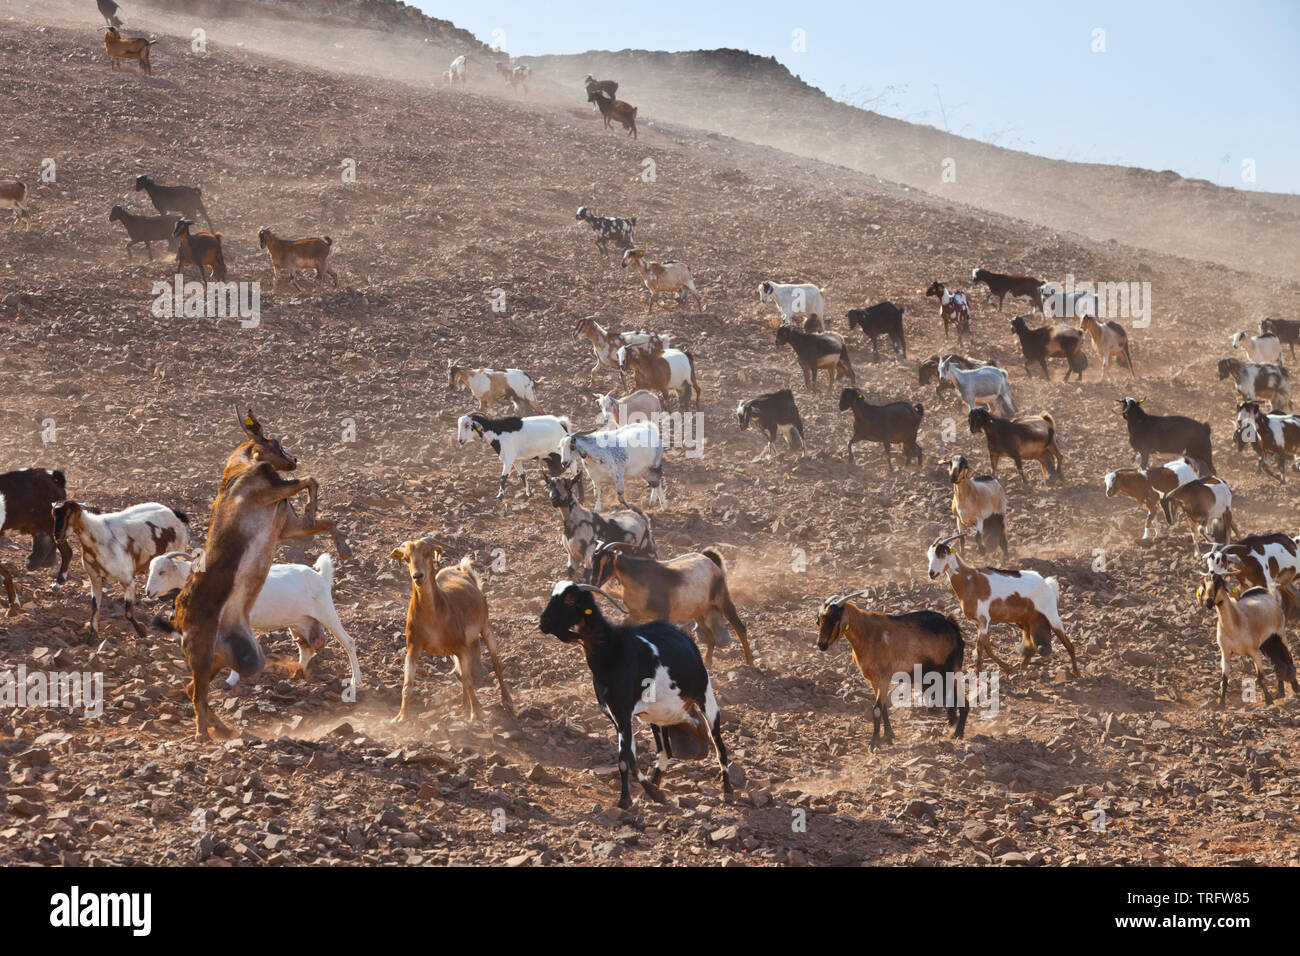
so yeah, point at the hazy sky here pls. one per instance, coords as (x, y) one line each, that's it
(1188, 85)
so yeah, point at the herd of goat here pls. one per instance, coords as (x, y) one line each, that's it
(228, 589)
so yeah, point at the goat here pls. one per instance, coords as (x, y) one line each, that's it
(199, 249)
(585, 528)
(817, 351)
(883, 318)
(689, 587)
(979, 504)
(186, 200)
(135, 48)
(489, 386)
(954, 310)
(290, 255)
(516, 440)
(294, 596)
(1274, 434)
(251, 514)
(633, 451)
(30, 495)
(516, 76)
(1111, 342)
(447, 616)
(608, 87)
(111, 13)
(606, 344)
(1254, 381)
(641, 405)
(672, 370)
(886, 645)
(12, 194)
(651, 670)
(1171, 434)
(458, 71)
(1000, 285)
(119, 545)
(979, 386)
(928, 371)
(1051, 341)
(993, 596)
(615, 229)
(774, 413)
(1059, 304)
(1265, 349)
(1285, 330)
(662, 278)
(612, 110)
(793, 299)
(1206, 503)
(1025, 439)
(1260, 560)
(1145, 486)
(146, 229)
(893, 423)
(1252, 625)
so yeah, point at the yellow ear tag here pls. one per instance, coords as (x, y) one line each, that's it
(248, 420)
(587, 611)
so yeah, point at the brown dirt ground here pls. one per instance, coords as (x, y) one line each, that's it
(458, 194)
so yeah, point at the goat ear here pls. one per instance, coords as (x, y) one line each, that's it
(400, 553)
(250, 424)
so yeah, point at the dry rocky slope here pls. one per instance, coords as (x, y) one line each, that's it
(458, 195)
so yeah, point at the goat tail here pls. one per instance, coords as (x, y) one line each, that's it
(920, 409)
(181, 516)
(467, 567)
(159, 622)
(716, 558)
(565, 423)
(329, 241)
(1055, 585)
(325, 568)
(1275, 650)
(59, 478)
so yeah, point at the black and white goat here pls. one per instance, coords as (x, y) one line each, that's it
(585, 528)
(516, 440)
(1275, 435)
(1254, 381)
(609, 229)
(649, 670)
(774, 413)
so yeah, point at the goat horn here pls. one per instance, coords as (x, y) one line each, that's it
(951, 537)
(435, 543)
(841, 598)
(602, 593)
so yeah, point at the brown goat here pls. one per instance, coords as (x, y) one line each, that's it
(252, 512)
(199, 249)
(447, 616)
(119, 49)
(12, 194)
(289, 255)
(615, 110)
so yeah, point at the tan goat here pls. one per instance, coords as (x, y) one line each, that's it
(199, 249)
(447, 616)
(1111, 342)
(979, 503)
(662, 278)
(119, 49)
(290, 255)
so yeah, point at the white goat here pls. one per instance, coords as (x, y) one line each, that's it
(119, 545)
(639, 406)
(294, 596)
(1264, 349)
(979, 386)
(456, 73)
(795, 299)
(515, 440)
(633, 451)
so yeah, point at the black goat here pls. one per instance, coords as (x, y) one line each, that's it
(146, 229)
(1286, 330)
(817, 351)
(1000, 285)
(1051, 341)
(1030, 439)
(883, 318)
(186, 200)
(30, 494)
(894, 423)
(774, 413)
(1171, 434)
(651, 670)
